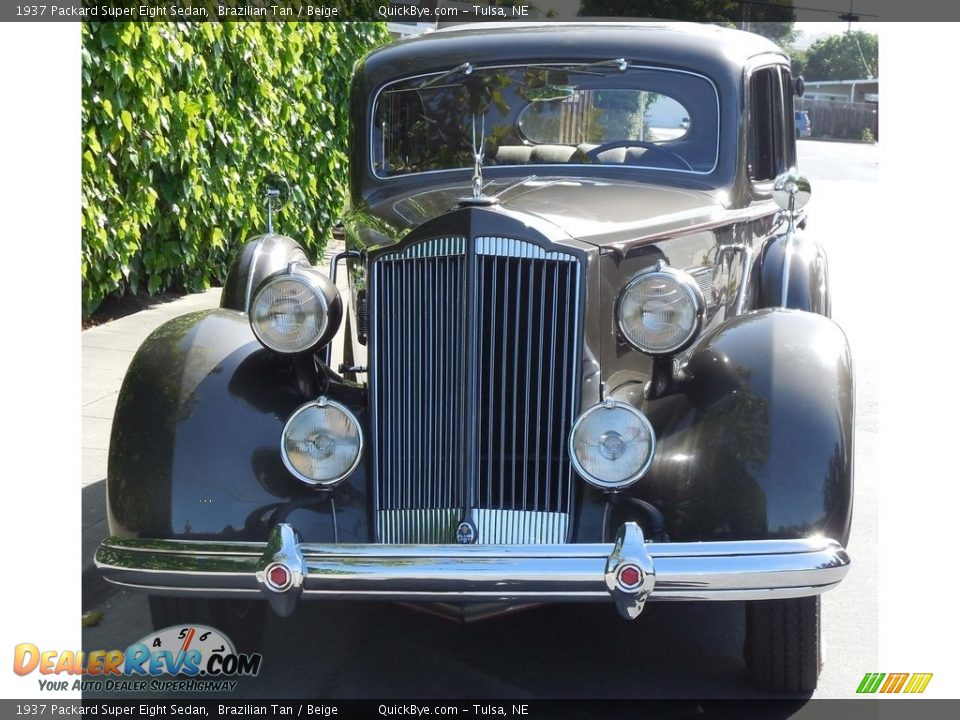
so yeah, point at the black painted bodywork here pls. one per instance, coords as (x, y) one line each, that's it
(755, 436)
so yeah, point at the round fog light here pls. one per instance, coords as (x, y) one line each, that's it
(321, 442)
(612, 445)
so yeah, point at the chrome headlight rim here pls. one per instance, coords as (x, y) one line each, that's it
(321, 401)
(304, 277)
(687, 284)
(608, 404)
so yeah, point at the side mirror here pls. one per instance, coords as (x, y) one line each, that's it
(275, 191)
(791, 191)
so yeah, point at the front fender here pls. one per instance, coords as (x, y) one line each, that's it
(808, 286)
(195, 446)
(758, 441)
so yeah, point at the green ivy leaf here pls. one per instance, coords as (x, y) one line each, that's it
(215, 104)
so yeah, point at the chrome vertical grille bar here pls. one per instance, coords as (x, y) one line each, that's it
(505, 342)
(529, 352)
(564, 477)
(538, 445)
(404, 337)
(551, 374)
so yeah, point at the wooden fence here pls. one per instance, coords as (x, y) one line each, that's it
(830, 119)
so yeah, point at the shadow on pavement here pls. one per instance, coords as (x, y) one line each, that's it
(94, 522)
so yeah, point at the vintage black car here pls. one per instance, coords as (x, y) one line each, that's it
(588, 357)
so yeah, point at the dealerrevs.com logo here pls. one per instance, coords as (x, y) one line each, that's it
(191, 658)
(911, 683)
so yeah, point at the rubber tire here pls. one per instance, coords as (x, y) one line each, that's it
(240, 620)
(782, 644)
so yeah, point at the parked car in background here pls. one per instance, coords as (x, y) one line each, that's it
(589, 358)
(802, 122)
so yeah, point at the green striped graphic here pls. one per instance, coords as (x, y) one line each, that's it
(870, 682)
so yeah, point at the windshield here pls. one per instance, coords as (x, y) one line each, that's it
(535, 115)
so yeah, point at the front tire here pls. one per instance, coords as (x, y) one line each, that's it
(782, 646)
(240, 620)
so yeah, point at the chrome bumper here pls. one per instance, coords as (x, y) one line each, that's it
(630, 571)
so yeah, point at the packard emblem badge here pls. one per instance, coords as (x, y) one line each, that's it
(466, 533)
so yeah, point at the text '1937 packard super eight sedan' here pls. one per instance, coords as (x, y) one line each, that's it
(588, 356)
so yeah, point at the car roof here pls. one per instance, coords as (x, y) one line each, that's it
(698, 46)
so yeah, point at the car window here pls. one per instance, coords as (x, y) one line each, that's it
(772, 148)
(532, 115)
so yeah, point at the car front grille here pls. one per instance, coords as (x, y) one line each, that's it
(474, 378)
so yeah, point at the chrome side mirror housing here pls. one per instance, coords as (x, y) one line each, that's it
(275, 191)
(791, 191)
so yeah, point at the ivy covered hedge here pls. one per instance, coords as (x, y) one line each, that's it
(181, 121)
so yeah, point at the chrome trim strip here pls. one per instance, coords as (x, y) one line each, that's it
(248, 297)
(729, 217)
(417, 525)
(789, 250)
(505, 527)
(745, 267)
(508, 247)
(736, 570)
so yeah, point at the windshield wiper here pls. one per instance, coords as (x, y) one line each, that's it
(463, 69)
(618, 64)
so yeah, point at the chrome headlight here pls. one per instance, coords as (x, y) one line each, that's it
(295, 310)
(612, 445)
(660, 310)
(321, 442)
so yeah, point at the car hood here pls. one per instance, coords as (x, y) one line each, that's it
(600, 212)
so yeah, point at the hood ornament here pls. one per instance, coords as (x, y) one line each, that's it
(478, 157)
(477, 198)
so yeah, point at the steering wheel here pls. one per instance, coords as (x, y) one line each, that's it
(594, 155)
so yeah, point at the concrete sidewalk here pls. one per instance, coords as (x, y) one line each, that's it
(106, 354)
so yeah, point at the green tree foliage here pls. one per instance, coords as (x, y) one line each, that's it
(180, 122)
(850, 56)
(798, 62)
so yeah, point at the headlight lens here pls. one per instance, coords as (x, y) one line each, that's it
(322, 442)
(612, 445)
(289, 314)
(660, 310)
